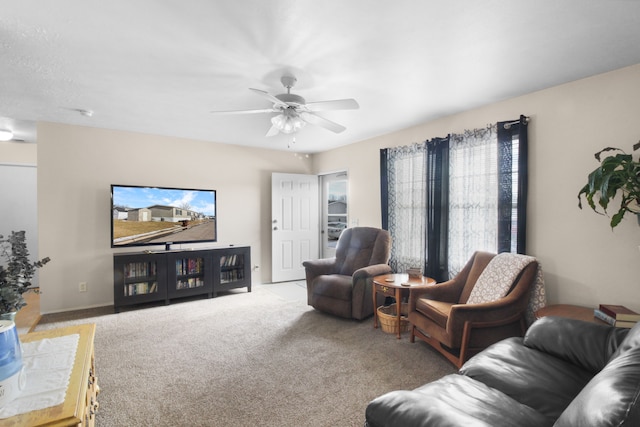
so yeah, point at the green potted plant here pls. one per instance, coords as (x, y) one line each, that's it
(617, 176)
(16, 275)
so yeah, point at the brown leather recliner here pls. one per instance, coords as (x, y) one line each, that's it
(343, 285)
(441, 316)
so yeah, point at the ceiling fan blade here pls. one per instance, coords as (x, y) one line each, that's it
(266, 110)
(321, 121)
(270, 97)
(337, 104)
(273, 131)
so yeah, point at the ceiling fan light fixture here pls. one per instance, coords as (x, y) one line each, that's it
(292, 112)
(6, 135)
(288, 122)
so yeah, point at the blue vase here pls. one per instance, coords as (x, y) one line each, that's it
(12, 375)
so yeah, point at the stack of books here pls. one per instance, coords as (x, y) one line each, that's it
(617, 315)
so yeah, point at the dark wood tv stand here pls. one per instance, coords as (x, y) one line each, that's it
(151, 276)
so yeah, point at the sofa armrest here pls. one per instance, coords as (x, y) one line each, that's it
(362, 289)
(318, 267)
(585, 344)
(371, 271)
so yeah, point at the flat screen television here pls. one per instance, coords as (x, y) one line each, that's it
(145, 216)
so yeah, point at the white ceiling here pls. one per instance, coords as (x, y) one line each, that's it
(161, 66)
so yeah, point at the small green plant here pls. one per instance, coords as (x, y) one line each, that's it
(16, 275)
(617, 176)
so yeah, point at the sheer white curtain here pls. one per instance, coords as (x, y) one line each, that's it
(473, 195)
(448, 197)
(406, 205)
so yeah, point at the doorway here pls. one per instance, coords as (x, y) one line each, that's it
(19, 193)
(334, 212)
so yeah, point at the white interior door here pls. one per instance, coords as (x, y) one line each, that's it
(294, 224)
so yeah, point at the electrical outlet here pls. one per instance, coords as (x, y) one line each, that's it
(82, 287)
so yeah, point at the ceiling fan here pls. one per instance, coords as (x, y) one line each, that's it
(294, 112)
(7, 135)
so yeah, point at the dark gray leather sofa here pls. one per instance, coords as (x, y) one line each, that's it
(563, 373)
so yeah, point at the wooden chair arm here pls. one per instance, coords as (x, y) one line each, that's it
(448, 291)
(496, 313)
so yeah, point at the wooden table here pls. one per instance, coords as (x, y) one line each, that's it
(80, 403)
(569, 311)
(397, 286)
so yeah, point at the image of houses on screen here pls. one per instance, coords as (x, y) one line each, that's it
(153, 215)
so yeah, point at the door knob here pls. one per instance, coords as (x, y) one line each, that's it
(275, 228)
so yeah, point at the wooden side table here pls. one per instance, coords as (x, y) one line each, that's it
(397, 286)
(80, 403)
(569, 311)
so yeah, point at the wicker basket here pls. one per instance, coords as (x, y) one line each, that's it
(387, 317)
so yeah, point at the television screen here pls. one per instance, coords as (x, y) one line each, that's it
(143, 216)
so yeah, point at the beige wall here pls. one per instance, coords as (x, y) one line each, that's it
(76, 166)
(18, 153)
(584, 261)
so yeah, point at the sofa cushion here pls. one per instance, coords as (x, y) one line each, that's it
(631, 340)
(585, 344)
(534, 378)
(611, 398)
(335, 286)
(498, 277)
(452, 401)
(438, 311)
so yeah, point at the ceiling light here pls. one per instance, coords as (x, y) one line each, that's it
(288, 122)
(6, 135)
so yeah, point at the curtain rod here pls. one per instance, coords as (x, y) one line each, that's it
(509, 124)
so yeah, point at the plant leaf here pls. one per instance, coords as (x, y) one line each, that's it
(615, 219)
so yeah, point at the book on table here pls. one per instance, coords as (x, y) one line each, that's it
(612, 321)
(620, 312)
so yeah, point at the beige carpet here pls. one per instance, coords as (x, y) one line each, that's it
(246, 359)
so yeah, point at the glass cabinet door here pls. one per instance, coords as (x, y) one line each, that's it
(189, 274)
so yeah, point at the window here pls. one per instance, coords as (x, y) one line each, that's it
(405, 179)
(448, 197)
